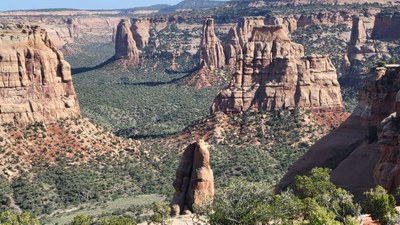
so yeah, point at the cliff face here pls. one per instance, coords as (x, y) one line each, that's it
(350, 150)
(211, 51)
(272, 73)
(194, 183)
(35, 80)
(387, 170)
(125, 45)
(141, 31)
(386, 26)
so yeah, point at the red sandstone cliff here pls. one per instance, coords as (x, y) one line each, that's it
(272, 73)
(350, 150)
(35, 80)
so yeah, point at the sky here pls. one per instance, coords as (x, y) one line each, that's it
(6, 5)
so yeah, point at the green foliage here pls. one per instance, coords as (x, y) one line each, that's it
(381, 64)
(380, 205)
(161, 212)
(240, 203)
(10, 218)
(82, 220)
(116, 220)
(321, 216)
(318, 187)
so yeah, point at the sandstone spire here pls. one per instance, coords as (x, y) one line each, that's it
(125, 45)
(194, 183)
(232, 48)
(211, 51)
(35, 80)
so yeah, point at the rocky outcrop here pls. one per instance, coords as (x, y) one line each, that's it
(272, 73)
(232, 48)
(387, 170)
(386, 26)
(141, 31)
(362, 51)
(194, 183)
(211, 51)
(125, 45)
(35, 80)
(351, 150)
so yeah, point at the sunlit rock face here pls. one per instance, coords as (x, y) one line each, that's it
(194, 182)
(125, 45)
(35, 80)
(272, 73)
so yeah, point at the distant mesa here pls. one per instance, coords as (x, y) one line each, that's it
(272, 73)
(194, 182)
(35, 80)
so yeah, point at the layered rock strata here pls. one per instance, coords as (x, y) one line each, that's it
(35, 80)
(194, 183)
(272, 73)
(125, 45)
(211, 51)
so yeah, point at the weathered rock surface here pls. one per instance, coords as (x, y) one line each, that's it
(349, 150)
(211, 51)
(125, 45)
(35, 80)
(387, 170)
(141, 31)
(386, 26)
(194, 183)
(272, 73)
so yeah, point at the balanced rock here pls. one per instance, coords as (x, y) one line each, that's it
(211, 50)
(194, 183)
(272, 73)
(35, 80)
(125, 45)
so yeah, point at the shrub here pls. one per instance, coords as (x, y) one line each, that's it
(381, 64)
(82, 220)
(18, 219)
(380, 205)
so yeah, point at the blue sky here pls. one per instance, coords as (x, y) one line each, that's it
(79, 4)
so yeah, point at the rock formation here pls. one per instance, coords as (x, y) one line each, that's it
(232, 48)
(194, 183)
(272, 73)
(141, 31)
(125, 45)
(362, 50)
(387, 170)
(351, 150)
(35, 80)
(211, 51)
(386, 26)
